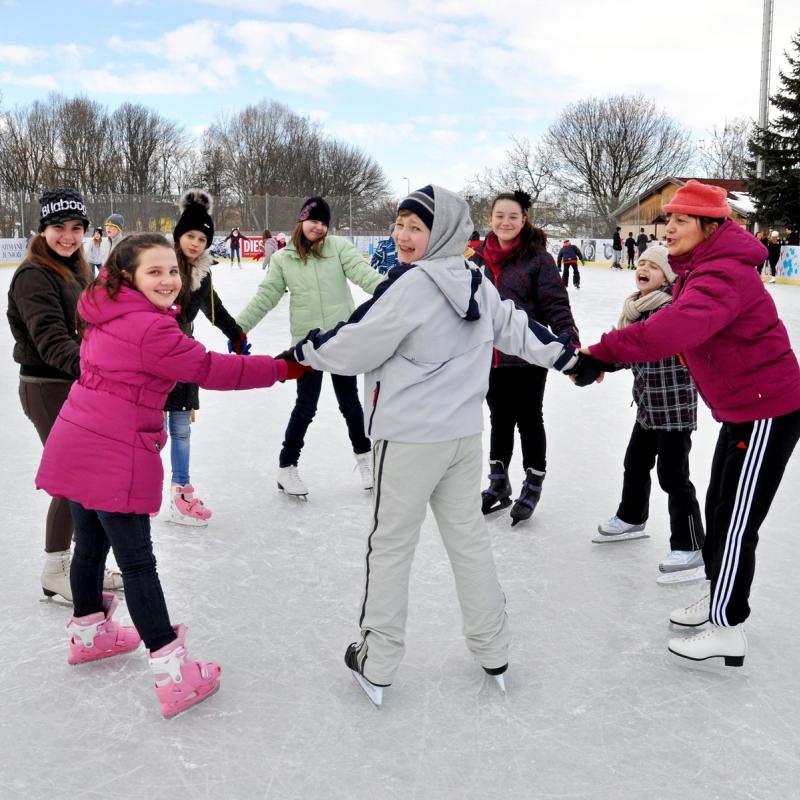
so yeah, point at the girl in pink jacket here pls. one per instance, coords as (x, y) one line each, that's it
(725, 325)
(104, 455)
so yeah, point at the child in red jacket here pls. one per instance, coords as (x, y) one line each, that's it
(103, 454)
(724, 323)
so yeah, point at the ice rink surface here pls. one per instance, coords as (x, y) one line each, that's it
(271, 589)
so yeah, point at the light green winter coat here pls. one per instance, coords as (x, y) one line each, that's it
(319, 296)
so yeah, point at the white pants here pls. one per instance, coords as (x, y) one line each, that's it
(408, 477)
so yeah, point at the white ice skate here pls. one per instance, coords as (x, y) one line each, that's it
(727, 643)
(364, 466)
(682, 576)
(290, 482)
(693, 615)
(617, 530)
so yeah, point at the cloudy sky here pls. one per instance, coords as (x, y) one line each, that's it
(432, 89)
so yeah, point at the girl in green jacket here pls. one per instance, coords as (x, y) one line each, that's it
(315, 268)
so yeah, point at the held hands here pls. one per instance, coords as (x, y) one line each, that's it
(587, 369)
(239, 346)
(294, 370)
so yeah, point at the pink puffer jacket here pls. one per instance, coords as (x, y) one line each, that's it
(726, 326)
(104, 450)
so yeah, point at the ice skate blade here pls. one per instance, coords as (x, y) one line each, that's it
(192, 704)
(500, 680)
(505, 503)
(709, 662)
(608, 538)
(187, 522)
(295, 496)
(682, 576)
(374, 693)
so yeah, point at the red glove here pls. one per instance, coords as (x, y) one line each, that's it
(294, 370)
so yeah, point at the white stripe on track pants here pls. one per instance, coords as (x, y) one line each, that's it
(408, 477)
(749, 462)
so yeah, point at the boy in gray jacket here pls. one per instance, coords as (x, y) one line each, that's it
(424, 342)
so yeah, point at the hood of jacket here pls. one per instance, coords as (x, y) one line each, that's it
(444, 261)
(729, 242)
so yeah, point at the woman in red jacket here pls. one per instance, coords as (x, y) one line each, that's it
(725, 325)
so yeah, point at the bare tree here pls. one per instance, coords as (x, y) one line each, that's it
(609, 149)
(28, 148)
(527, 167)
(725, 153)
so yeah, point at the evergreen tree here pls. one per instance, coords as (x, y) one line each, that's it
(777, 191)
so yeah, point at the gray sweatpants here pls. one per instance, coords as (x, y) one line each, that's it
(408, 477)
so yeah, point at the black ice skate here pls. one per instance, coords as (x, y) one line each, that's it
(373, 690)
(498, 495)
(531, 492)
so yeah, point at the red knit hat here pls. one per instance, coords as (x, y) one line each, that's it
(699, 200)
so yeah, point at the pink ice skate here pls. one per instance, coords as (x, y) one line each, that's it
(98, 636)
(186, 509)
(181, 682)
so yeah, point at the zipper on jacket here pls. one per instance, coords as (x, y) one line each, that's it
(375, 392)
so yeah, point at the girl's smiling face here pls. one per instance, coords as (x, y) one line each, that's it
(64, 238)
(314, 230)
(507, 221)
(411, 236)
(649, 277)
(157, 276)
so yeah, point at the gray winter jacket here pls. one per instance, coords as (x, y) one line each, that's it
(425, 340)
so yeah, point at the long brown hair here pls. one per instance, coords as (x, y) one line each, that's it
(186, 267)
(40, 255)
(304, 247)
(121, 266)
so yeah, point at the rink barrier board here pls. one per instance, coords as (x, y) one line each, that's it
(12, 251)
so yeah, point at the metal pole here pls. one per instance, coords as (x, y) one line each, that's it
(766, 59)
(266, 211)
(22, 214)
(350, 202)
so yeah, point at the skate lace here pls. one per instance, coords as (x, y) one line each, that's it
(698, 605)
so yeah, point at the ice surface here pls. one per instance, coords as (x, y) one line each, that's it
(595, 708)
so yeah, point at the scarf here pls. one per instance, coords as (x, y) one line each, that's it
(636, 304)
(494, 255)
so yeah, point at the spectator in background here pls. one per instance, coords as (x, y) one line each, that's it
(630, 246)
(281, 240)
(96, 251)
(385, 255)
(115, 230)
(617, 248)
(270, 244)
(569, 254)
(641, 241)
(774, 246)
(793, 239)
(236, 243)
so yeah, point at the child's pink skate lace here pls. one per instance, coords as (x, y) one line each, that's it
(98, 636)
(188, 505)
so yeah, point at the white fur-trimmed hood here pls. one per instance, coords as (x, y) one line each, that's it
(200, 269)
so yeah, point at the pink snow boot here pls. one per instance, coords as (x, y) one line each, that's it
(186, 509)
(98, 636)
(181, 682)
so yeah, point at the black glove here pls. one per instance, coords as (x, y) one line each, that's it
(288, 355)
(586, 370)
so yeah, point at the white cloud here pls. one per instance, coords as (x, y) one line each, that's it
(19, 55)
(37, 81)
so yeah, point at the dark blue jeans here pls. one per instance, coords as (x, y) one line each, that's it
(308, 389)
(128, 535)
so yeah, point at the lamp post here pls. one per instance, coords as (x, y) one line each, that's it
(408, 186)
